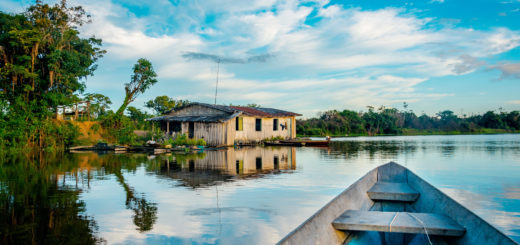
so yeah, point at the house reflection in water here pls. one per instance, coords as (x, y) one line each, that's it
(211, 167)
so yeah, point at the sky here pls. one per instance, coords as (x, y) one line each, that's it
(312, 56)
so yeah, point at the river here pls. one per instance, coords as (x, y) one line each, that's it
(250, 195)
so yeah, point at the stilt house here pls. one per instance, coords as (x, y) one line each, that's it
(221, 125)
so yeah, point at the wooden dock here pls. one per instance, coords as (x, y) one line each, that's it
(134, 149)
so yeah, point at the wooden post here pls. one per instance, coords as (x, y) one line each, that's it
(168, 127)
(153, 129)
(88, 109)
(76, 112)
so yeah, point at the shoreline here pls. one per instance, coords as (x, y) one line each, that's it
(412, 134)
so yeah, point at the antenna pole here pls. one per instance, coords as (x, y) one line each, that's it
(216, 84)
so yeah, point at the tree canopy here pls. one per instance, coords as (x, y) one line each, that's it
(43, 64)
(143, 78)
(162, 104)
(390, 121)
(43, 58)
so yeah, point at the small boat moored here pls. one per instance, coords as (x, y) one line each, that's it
(392, 205)
(299, 142)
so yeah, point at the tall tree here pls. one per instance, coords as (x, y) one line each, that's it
(43, 63)
(98, 104)
(42, 56)
(142, 79)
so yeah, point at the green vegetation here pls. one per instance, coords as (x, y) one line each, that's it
(43, 63)
(273, 138)
(142, 79)
(184, 140)
(121, 127)
(99, 105)
(390, 121)
(162, 104)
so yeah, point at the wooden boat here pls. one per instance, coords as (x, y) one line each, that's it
(284, 143)
(99, 147)
(392, 205)
(315, 142)
(299, 142)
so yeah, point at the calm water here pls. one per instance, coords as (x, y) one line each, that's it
(238, 196)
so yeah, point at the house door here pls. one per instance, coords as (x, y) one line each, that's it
(191, 130)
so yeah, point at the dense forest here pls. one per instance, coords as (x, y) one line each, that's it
(391, 121)
(44, 63)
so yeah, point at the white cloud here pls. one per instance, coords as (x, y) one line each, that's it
(346, 58)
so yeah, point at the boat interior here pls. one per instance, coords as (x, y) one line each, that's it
(392, 205)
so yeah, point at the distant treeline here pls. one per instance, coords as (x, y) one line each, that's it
(390, 121)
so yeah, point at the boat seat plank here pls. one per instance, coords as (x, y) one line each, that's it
(401, 222)
(387, 191)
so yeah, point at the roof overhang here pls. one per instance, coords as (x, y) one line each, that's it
(209, 119)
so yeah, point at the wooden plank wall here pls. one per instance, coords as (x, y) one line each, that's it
(249, 132)
(215, 134)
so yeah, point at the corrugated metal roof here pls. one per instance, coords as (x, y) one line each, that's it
(264, 112)
(233, 111)
(212, 118)
(216, 107)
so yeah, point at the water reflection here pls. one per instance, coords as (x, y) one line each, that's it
(38, 205)
(211, 167)
(251, 195)
(40, 195)
(374, 149)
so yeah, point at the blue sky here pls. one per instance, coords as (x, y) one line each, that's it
(312, 56)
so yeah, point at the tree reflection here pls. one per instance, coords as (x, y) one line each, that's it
(353, 149)
(145, 212)
(36, 208)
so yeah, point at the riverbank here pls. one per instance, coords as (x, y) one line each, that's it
(418, 132)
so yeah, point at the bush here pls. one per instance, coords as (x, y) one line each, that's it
(183, 140)
(274, 138)
(95, 127)
(201, 142)
(120, 127)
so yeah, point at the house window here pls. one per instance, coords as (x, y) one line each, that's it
(258, 124)
(276, 162)
(258, 163)
(239, 124)
(275, 124)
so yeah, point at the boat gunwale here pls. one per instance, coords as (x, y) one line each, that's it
(420, 181)
(325, 207)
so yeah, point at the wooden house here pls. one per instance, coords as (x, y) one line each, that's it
(221, 125)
